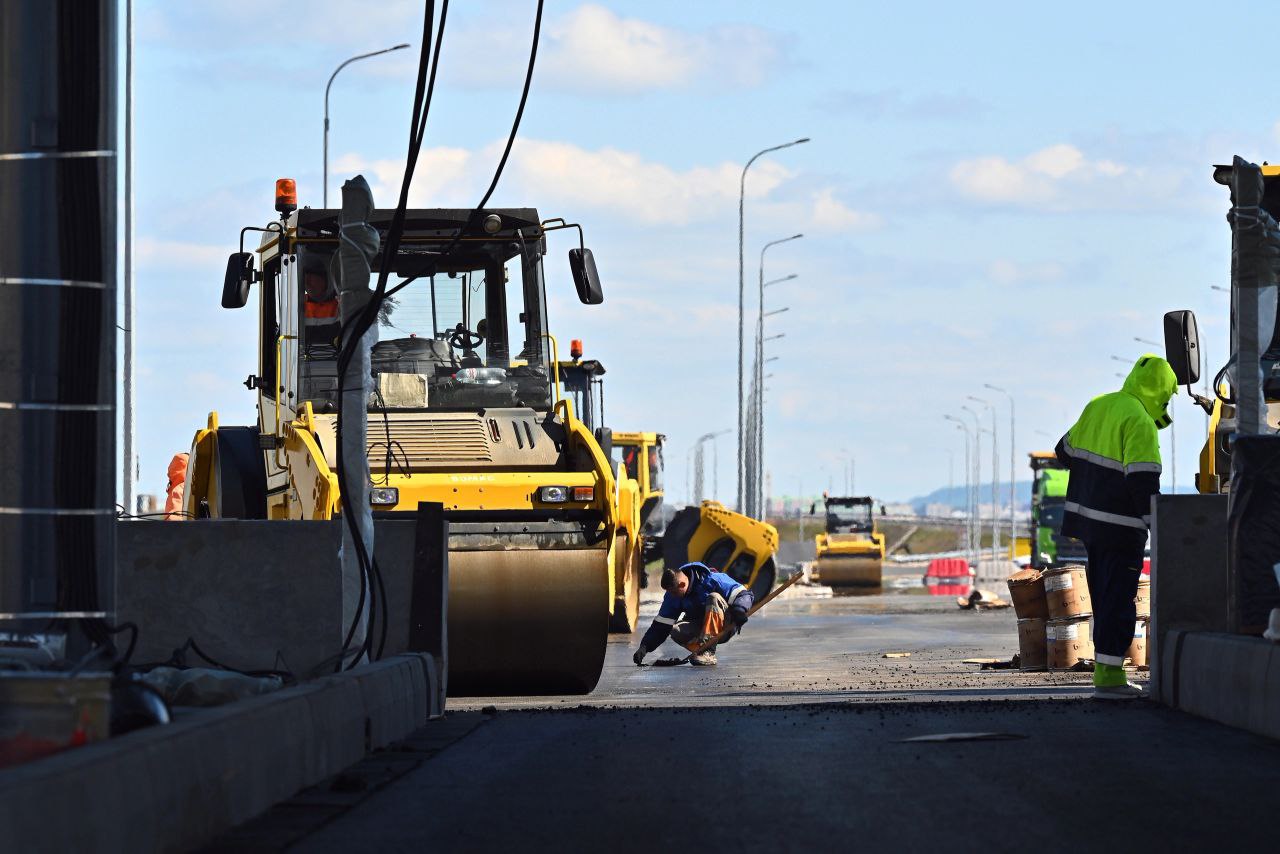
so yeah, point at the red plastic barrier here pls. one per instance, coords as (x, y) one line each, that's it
(948, 576)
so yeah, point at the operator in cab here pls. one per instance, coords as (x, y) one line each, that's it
(698, 605)
(320, 307)
(1113, 456)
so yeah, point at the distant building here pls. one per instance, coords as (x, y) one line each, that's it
(899, 509)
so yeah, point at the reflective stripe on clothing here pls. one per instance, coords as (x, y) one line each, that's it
(737, 591)
(1091, 457)
(1103, 658)
(1135, 468)
(1103, 516)
(668, 620)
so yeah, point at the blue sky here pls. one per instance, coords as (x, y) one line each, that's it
(995, 192)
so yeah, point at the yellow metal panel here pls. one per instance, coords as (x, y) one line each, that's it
(200, 483)
(313, 487)
(750, 536)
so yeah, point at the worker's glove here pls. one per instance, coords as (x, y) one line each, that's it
(640, 653)
(738, 616)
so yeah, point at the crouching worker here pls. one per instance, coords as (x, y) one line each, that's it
(699, 604)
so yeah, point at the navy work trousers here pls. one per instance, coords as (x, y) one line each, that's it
(1115, 565)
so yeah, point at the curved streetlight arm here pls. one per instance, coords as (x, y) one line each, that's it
(780, 281)
(742, 421)
(327, 87)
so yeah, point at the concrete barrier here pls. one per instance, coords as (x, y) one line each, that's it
(1231, 679)
(176, 787)
(257, 595)
(1189, 580)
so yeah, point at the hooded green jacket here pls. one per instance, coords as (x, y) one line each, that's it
(1113, 453)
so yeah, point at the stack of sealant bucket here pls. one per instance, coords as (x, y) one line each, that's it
(1054, 614)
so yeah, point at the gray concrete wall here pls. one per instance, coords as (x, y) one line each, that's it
(1190, 584)
(251, 601)
(253, 595)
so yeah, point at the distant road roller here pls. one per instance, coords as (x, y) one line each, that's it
(466, 411)
(850, 552)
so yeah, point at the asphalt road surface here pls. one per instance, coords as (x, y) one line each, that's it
(796, 742)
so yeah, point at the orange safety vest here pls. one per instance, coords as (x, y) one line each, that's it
(326, 309)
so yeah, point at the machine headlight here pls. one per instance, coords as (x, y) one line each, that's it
(553, 494)
(384, 495)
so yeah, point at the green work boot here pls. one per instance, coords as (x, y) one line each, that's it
(1111, 683)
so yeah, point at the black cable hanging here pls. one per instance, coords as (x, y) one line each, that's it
(422, 105)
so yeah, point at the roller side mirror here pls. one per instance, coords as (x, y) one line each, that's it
(585, 277)
(238, 278)
(1182, 345)
(604, 436)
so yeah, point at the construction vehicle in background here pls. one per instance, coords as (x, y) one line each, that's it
(583, 384)
(1214, 474)
(1048, 503)
(709, 533)
(641, 455)
(730, 542)
(850, 552)
(466, 411)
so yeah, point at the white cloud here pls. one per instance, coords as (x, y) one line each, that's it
(594, 50)
(1059, 177)
(831, 214)
(620, 182)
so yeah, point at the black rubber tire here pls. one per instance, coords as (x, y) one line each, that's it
(764, 580)
(242, 476)
(680, 530)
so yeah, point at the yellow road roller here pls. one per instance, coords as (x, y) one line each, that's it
(466, 411)
(850, 552)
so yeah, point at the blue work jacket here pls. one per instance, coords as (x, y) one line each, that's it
(703, 581)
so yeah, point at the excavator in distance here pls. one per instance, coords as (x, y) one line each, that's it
(466, 411)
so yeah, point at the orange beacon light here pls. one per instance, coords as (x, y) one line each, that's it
(286, 196)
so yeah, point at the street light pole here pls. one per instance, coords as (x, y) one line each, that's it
(995, 483)
(326, 108)
(759, 449)
(1013, 462)
(742, 196)
(968, 487)
(977, 479)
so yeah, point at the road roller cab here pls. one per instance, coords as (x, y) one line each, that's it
(641, 454)
(850, 552)
(466, 411)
